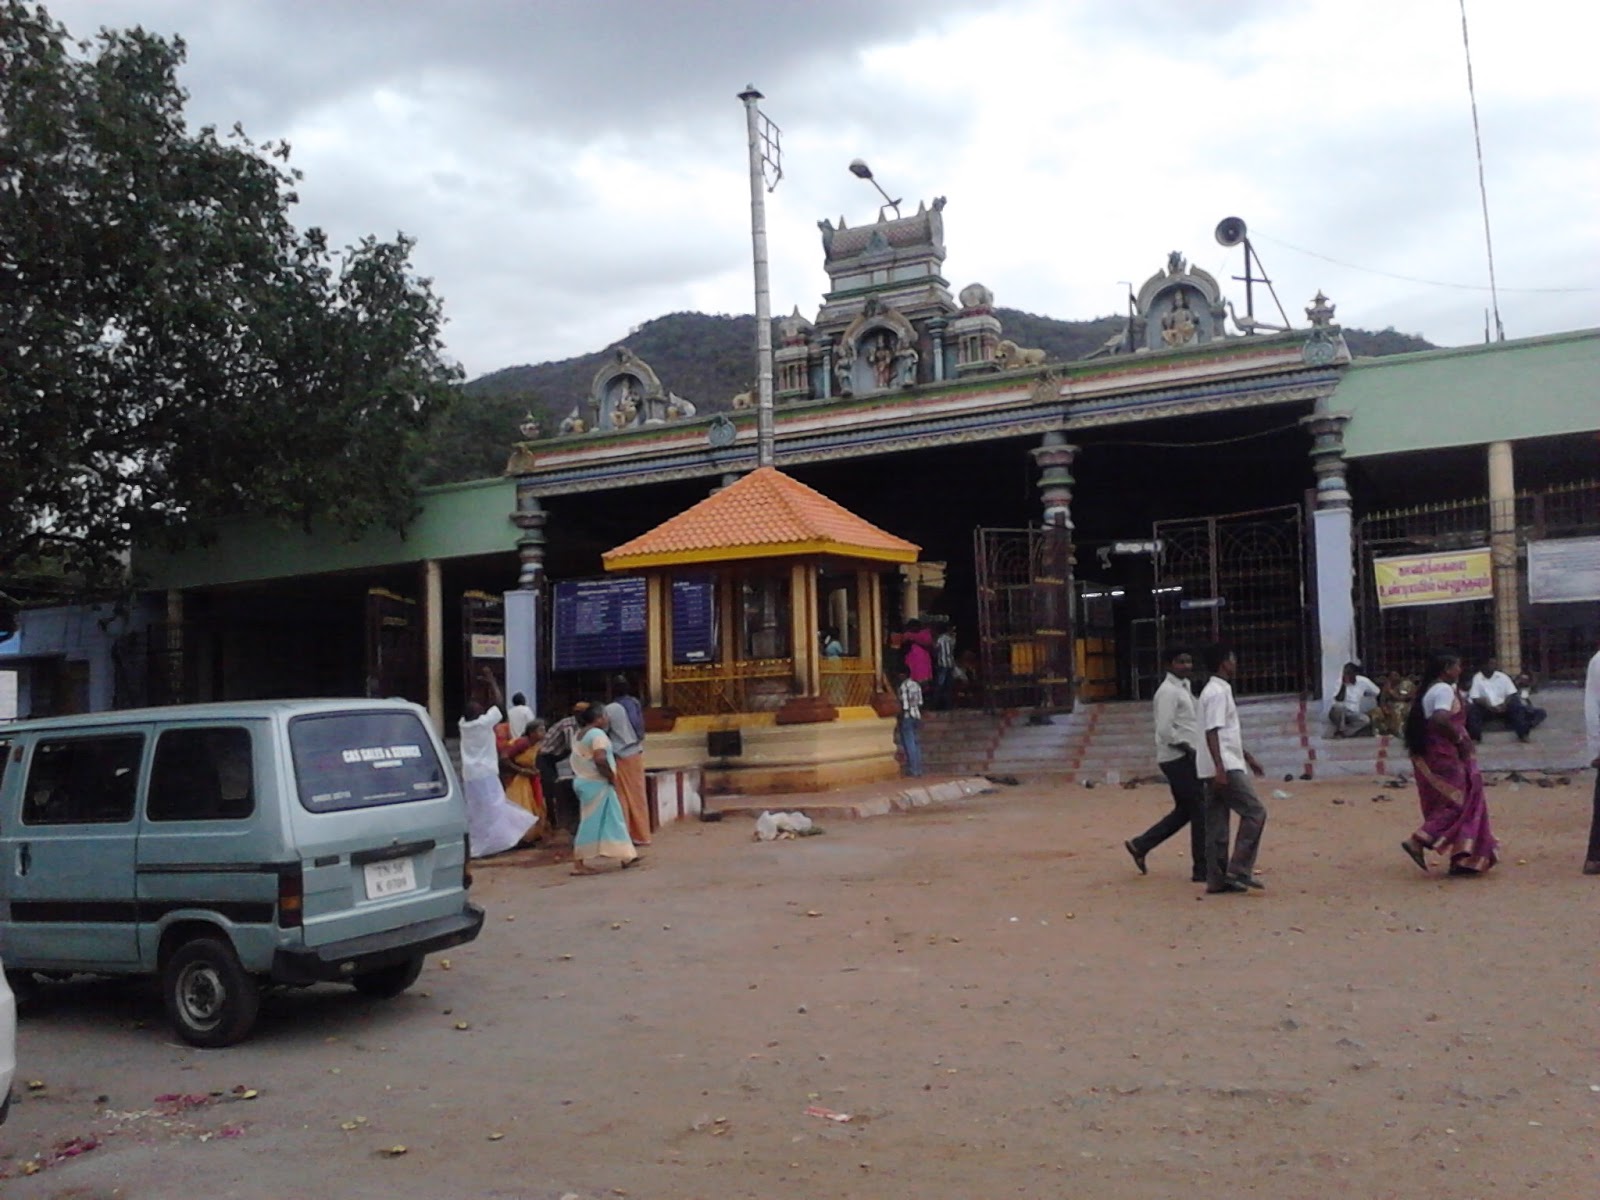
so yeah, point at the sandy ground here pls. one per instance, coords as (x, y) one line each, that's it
(997, 999)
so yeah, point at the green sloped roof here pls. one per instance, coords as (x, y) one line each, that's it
(1504, 391)
(458, 520)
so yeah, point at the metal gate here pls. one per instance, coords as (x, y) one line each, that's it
(1239, 579)
(1025, 617)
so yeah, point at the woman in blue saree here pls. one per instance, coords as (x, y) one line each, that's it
(602, 828)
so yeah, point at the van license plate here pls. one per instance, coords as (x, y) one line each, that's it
(390, 878)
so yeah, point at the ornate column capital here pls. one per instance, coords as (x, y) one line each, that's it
(1054, 458)
(529, 518)
(1327, 457)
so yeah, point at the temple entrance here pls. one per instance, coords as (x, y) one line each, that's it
(1025, 617)
(1239, 579)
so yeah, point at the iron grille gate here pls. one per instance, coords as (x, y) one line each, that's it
(1239, 579)
(1025, 617)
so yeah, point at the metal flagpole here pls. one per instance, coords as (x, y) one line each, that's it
(764, 152)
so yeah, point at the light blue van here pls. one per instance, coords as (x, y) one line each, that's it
(227, 847)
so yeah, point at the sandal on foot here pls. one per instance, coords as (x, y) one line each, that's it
(1414, 852)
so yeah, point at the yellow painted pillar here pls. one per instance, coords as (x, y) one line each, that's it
(867, 636)
(910, 591)
(875, 601)
(1503, 554)
(433, 627)
(801, 639)
(658, 637)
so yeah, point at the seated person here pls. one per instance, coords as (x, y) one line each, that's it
(1394, 702)
(1353, 703)
(1492, 694)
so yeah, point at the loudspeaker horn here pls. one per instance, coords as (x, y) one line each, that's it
(1230, 231)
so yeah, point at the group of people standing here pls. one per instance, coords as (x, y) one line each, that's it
(583, 776)
(1200, 751)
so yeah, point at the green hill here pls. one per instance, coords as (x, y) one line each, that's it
(708, 360)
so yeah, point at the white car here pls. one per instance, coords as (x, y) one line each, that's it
(8, 1045)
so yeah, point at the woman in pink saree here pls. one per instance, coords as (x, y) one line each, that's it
(1455, 815)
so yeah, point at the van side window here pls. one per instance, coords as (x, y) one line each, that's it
(83, 781)
(202, 775)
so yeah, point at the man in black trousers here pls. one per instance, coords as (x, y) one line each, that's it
(1177, 739)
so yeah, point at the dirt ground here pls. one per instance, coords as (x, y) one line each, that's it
(998, 1001)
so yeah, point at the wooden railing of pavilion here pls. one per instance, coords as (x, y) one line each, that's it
(762, 685)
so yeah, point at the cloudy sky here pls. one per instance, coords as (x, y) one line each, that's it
(574, 167)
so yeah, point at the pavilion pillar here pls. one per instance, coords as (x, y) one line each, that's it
(658, 637)
(1333, 549)
(433, 635)
(1503, 556)
(1053, 585)
(910, 592)
(807, 704)
(869, 636)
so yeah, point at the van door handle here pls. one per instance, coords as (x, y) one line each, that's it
(24, 859)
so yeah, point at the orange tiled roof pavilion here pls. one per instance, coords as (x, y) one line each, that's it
(766, 514)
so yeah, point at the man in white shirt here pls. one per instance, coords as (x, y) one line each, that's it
(1591, 732)
(1493, 694)
(1351, 710)
(1177, 740)
(1223, 760)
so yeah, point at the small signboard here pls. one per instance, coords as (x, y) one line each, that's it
(1564, 571)
(694, 619)
(1453, 577)
(488, 645)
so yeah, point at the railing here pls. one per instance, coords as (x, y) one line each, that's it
(848, 682)
(707, 689)
(1557, 639)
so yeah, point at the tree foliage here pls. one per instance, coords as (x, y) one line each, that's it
(172, 349)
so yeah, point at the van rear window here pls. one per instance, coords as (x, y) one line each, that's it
(363, 759)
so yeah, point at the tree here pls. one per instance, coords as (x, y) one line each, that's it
(172, 350)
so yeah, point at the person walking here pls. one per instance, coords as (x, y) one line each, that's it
(908, 726)
(1455, 812)
(1177, 724)
(1591, 731)
(1223, 760)
(602, 831)
(493, 822)
(625, 727)
(1351, 710)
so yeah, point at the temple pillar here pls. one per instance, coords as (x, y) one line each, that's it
(1503, 556)
(433, 636)
(658, 637)
(910, 592)
(174, 647)
(1053, 583)
(529, 519)
(1333, 550)
(936, 327)
(807, 705)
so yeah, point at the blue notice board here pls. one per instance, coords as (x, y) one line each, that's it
(694, 619)
(598, 624)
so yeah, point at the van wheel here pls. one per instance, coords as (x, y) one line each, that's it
(387, 982)
(210, 998)
(25, 987)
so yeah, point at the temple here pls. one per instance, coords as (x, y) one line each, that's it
(1200, 476)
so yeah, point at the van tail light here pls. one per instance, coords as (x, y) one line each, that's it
(466, 861)
(291, 897)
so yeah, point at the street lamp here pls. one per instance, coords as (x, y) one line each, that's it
(859, 168)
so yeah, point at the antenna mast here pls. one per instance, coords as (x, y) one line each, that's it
(1483, 191)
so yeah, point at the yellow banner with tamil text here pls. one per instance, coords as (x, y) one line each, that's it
(1448, 578)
